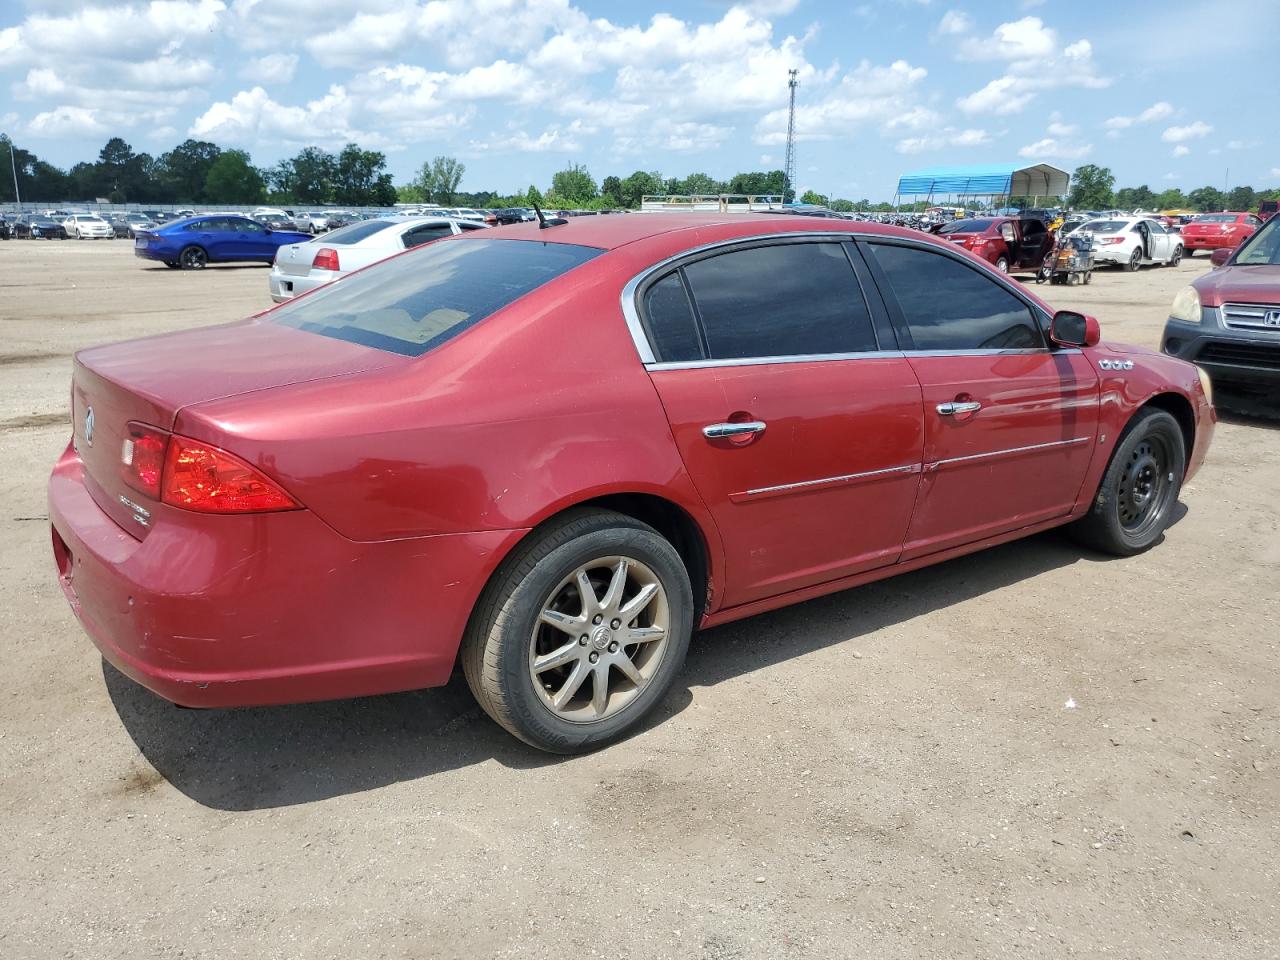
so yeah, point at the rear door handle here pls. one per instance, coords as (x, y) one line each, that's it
(952, 407)
(714, 431)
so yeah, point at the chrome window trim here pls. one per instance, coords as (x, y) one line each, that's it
(759, 361)
(631, 312)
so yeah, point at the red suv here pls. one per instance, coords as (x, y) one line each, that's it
(1008, 244)
(1214, 231)
(552, 453)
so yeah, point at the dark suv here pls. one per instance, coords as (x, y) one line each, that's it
(1228, 321)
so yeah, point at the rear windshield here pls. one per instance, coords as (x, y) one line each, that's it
(355, 232)
(1216, 218)
(966, 226)
(1105, 226)
(417, 301)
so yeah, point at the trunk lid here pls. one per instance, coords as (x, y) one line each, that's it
(151, 379)
(294, 259)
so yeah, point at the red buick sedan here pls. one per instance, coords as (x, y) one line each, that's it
(551, 454)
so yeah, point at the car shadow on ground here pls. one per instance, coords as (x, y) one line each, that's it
(258, 758)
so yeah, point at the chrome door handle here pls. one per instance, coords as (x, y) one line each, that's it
(715, 431)
(951, 408)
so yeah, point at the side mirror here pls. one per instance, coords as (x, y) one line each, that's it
(1071, 329)
(1220, 256)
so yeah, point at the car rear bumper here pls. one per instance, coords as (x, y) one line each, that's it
(285, 286)
(1230, 356)
(264, 609)
(1194, 242)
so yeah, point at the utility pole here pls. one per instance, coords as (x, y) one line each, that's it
(789, 166)
(13, 165)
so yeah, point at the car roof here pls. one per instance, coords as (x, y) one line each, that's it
(611, 231)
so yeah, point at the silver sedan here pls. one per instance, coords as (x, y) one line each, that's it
(300, 267)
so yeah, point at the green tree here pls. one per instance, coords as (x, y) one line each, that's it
(233, 179)
(1171, 199)
(1242, 198)
(439, 179)
(360, 178)
(842, 206)
(532, 195)
(696, 183)
(812, 197)
(573, 184)
(1091, 188)
(184, 169)
(639, 184)
(611, 190)
(1207, 199)
(309, 175)
(37, 179)
(1131, 198)
(759, 183)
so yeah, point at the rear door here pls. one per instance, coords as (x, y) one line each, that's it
(1035, 243)
(803, 437)
(1010, 424)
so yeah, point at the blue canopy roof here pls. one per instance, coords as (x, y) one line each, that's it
(1016, 179)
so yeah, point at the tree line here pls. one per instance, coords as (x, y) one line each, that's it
(1093, 188)
(200, 172)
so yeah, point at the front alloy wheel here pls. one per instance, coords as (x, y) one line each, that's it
(580, 632)
(1135, 261)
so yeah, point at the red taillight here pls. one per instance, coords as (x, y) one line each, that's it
(143, 457)
(326, 259)
(199, 476)
(1113, 239)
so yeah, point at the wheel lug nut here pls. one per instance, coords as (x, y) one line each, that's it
(594, 656)
(583, 639)
(598, 619)
(615, 624)
(613, 647)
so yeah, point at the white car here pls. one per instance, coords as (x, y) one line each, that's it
(300, 267)
(1130, 242)
(88, 226)
(314, 222)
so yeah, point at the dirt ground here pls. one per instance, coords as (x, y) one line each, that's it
(1030, 752)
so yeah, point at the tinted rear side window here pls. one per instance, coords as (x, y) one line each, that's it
(356, 232)
(415, 302)
(951, 306)
(673, 332)
(784, 300)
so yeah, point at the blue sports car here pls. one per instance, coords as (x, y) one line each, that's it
(218, 238)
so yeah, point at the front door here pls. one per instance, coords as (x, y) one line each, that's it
(1010, 424)
(801, 436)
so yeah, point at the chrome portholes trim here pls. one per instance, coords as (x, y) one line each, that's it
(1116, 364)
(1008, 452)
(803, 486)
(757, 361)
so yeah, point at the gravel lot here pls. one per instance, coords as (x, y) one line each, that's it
(1033, 751)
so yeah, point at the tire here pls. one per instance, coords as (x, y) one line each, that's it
(1135, 261)
(1189, 254)
(1002, 264)
(508, 633)
(193, 258)
(1177, 256)
(1150, 455)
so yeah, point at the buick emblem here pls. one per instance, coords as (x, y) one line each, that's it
(1271, 318)
(88, 426)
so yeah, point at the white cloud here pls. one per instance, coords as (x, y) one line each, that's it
(955, 22)
(949, 137)
(1056, 149)
(1023, 39)
(1157, 111)
(766, 158)
(1275, 172)
(1191, 131)
(1000, 96)
(1181, 150)
(1058, 129)
(273, 68)
(66, 122)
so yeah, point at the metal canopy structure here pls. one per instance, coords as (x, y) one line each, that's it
(986, 179)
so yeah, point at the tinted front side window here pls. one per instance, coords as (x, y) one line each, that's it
(950, 306)
(783, 300)
(412, 303)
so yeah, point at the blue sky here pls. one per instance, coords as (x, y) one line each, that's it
(517, 89)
